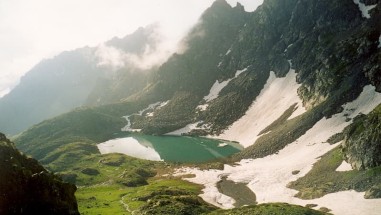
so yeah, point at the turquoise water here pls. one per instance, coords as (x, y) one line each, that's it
(171, 148)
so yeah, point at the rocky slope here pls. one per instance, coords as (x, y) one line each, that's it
(362, 141)
(27, 188)
(332, 48)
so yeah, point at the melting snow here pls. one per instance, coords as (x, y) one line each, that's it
(344, 167)
(217, 87)
(275, 98)
(151, 107)
(213, 94)
(203, 107)
(288, 47)
(184, 130)
(364, 8)
(228, 52)
(268, 177)
(222, 144)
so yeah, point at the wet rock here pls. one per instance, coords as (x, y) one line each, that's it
(295, 172)
(311, 205)
(362, 143)
(324, 209)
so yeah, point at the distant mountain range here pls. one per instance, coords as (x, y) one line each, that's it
(85, 76)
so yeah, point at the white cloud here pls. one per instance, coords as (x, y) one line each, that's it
(33, 30)
(156, 51)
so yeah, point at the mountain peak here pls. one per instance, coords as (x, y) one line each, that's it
(239, 6)
(136, 41)
(220, 3)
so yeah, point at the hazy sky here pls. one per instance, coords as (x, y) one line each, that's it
(33, 30)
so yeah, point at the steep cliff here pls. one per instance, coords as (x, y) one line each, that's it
(362, 141)
(27, 188)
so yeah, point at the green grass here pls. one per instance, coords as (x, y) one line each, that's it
(269, 209)
(101, 200)
(106, 199)
(88, 125)
(113, 177)
(157, 185)
(127, 172)
(323, 178)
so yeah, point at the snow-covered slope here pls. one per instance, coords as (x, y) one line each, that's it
(268, 177)
(275, 98)
(217, 86)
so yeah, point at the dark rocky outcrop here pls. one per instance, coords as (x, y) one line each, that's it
(27, 188)
(373, 193)
(362, 143)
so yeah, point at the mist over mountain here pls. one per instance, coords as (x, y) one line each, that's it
(85, 76)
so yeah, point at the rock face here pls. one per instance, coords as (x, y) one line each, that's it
(332, 48)
(373, 193)
(362, 143)
(27, 188)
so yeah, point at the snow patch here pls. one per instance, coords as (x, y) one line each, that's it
(288, 47)
(344, 167)
(151, 107)
(222, 144)
(379, 42)
(217, 87)
(275, 98)
(228, 52)
(188, 128)
(268, 177)
(202, 107)
(364, 8)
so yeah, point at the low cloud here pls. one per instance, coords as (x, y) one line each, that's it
(156, 51)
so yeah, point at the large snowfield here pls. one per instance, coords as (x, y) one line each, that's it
(275, 98)
(268, 177)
